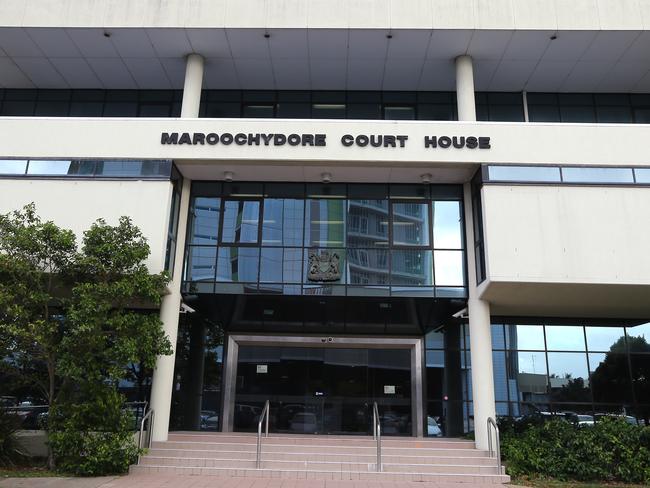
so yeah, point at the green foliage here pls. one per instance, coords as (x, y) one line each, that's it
(34, 257)
(11, 450)
(609, 450)
(74, 323)
(93, 437)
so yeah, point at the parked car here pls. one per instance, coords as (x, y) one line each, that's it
(433, 429)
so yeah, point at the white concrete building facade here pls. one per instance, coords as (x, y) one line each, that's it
(439, 206)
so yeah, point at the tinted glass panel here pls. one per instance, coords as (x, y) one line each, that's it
(13, 167)
(367, 223)
(368, 267)
(325, 223)
(205, 220)
(279, 265)
(282, 224)
(564, 338)
(526, 337)
(568, 377)
(411, 267)
(605, 339)
(410, 224)
(640, 331)
(48, 167)
(237, 264)
(610, 377)
(399, 113)
(597, 175)
(449, 268)
(524, 173)
(240, 221)
(201, 263)
(447, 225)
(642, 175)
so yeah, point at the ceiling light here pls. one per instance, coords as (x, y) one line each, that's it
(326, 177)
(228, 175)
(426, 178)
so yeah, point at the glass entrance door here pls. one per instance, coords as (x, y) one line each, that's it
(323, 390)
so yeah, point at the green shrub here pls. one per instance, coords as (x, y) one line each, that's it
(94, 437)
(610, 450)
(11, 450)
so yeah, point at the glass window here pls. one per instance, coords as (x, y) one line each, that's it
(119, 168)
(428, 111)
(48, 167)
(367, 223)
(283, 222)
(605, 339)
(640, 364)
(201, 261)
(568, 377)
(614, 115)
(565, 338)
(597, 175)
(411, 267)
(218, 110)
(447, 225)
(642, 175)
(13, 166)
(543, 113)
(367, 266)
(328, 111)
(399, 113)
(279, 265)
(530, 380)
(259, 111)
(435, 340)
(325, 223)
(641, 331)
(577, 114)
(524, 173)
(288, 110)
(205, 220)
(410, 224)
(364, 111)
(449, 269)
(610, 378)
(526, 337)
(238, 264)
(240, 221)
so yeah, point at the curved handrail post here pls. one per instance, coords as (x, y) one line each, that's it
(376, 429)
(491, 423)
(149, 415)
(265, 413)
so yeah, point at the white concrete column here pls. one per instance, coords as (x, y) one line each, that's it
(480, 333)
(465, 89)
(163, 376)
(192, 87)
(480, 337)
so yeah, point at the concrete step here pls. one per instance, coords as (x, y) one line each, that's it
(313, 465)
(469, 457)
(441, 477)
(317, 448)
(323, 440)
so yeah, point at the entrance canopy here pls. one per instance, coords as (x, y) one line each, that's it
(326, 314)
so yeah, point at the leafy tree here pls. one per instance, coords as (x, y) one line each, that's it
(85, 318)
(34, 255)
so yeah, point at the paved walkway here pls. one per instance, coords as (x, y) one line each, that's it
(167, 481)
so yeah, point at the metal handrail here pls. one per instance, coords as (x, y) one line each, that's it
(492, 423)
(265, 414)
(149, 415)
(376, 434)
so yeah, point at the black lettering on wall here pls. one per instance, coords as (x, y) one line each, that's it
(166, 138)
(347, 140)
(484, 143)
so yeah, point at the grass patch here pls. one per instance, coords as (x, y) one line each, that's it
(553, 483)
